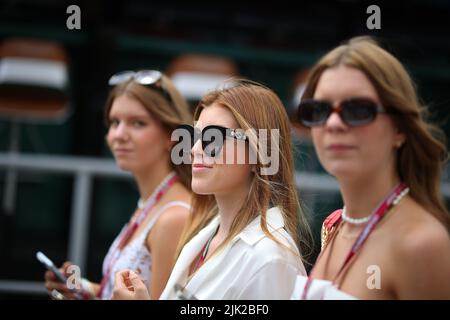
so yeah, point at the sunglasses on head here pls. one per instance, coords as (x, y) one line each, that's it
(354, 112)
(212, 137)
(147, 78)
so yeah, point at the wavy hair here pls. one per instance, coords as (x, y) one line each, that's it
(421, 158)
(257, 107)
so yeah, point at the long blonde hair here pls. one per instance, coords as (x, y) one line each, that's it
(256, 107)
(169, 114)
(421, 158)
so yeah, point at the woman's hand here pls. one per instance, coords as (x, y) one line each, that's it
(128, 286)
(52, 282)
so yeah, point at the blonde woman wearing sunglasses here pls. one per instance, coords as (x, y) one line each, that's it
(142, 110)
(249, 247)
(391, 240)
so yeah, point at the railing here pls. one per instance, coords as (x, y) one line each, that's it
(84, 170)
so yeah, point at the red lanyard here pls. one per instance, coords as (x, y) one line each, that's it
(205, 250)
(376, 216)
(131, 229)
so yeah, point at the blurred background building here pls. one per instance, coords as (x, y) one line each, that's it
(60, 191)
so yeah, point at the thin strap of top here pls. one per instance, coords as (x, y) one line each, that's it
(161, 211)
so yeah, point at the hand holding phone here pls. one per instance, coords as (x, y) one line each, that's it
(59, 287)
(51, 266)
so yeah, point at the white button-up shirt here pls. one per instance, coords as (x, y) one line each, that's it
(251, 266)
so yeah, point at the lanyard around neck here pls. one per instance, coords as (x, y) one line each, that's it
(159, 192)
(204, 252)
(376, 217)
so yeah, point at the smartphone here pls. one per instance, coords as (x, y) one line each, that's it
(51, 266)
(81, 294)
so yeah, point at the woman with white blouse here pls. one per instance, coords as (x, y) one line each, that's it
(242, 236)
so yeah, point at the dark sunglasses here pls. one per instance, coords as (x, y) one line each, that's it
(212, 137)
(147, 78)
(354, 112)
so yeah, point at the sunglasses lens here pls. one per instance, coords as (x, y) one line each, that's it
(313, 113)
(358, 112)
(213, 138)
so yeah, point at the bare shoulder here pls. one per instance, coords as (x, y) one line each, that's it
(420, 235)
(172, 219)
(420, 255)
(421, 246)
(168, 227)
(425, 241)
(175, 214)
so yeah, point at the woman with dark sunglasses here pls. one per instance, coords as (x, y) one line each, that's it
(142, 110)
(248, 249)
(391, 239)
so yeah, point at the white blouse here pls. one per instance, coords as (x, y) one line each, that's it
(319, 290)
(252, 266)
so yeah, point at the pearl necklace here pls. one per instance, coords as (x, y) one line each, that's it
(364, 220)
(141, 203)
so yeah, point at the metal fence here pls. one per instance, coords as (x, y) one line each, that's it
(84, 171)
